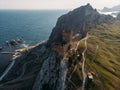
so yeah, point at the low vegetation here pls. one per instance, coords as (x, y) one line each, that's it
(102, 57)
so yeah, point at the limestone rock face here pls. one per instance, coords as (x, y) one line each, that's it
(76, 20)
(41, 67)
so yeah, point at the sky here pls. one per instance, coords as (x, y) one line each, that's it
(55, 4)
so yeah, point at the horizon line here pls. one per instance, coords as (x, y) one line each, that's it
(35, 9)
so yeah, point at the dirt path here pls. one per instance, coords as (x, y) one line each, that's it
(24, 66)
(83, 57)
(83, 63)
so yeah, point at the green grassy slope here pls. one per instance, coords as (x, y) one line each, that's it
(102, 58)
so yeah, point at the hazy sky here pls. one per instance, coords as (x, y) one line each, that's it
(54, 4)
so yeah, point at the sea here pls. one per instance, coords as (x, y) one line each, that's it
(32, 26)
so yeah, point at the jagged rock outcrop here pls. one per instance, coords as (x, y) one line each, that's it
(52, 74)
(76, 20)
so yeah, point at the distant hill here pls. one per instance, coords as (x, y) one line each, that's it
(115, 8)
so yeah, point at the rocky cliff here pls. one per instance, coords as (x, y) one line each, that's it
(77, 20)
(73, 50)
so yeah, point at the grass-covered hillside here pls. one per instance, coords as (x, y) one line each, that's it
(102, 58)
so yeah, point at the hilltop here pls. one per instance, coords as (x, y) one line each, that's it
(76, 20)
(83, 41)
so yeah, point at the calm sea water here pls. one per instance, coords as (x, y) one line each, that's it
(32, 26)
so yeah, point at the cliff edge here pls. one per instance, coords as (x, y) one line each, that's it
(77, 20)
(82, 43)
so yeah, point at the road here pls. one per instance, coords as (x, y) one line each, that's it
(23, 69)
(6, 52)
(7, 70)
(10, 65)
(14, 56)
(24, 65)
